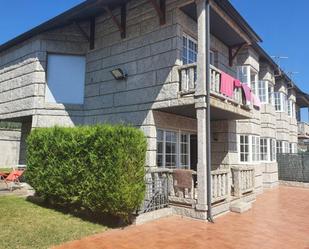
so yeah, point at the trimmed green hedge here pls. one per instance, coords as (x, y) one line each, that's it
(97, 168)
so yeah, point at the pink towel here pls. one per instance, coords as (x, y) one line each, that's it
(247, 92)
(237, 83)
(227, 85)
(256, 101)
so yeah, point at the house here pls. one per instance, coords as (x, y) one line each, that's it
(59, 73)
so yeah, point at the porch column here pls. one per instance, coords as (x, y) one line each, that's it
(200, 105)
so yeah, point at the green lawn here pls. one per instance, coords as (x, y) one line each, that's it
(24, 225)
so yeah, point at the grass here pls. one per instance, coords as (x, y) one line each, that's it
(25, 225)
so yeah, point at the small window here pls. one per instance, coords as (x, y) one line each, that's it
(263, 91)
(255, 148)
(65, 79)
(279, 147)
(264, 149)
(189, 50)
(244, 148)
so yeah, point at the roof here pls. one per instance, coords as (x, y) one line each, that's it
(91, 8)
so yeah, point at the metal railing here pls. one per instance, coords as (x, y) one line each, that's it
(157, 191)
(243, 180)
(293, 167)
(188, 77)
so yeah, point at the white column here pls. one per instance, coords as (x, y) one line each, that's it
(200, 105)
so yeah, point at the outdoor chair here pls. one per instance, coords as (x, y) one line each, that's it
(13, 179)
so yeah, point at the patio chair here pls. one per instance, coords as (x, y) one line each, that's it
(13, 179)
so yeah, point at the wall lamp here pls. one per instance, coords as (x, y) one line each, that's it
(119, 74)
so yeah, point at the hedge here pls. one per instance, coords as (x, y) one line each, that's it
(97, 168)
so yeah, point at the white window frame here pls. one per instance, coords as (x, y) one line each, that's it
(253, 144)
(265, 149)
(186, 57)
(279, 147)
(280, 102)
(263, 91)
(178, 149)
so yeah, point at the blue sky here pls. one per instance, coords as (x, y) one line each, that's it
(283, 26)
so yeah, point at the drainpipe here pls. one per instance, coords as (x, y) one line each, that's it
(208, 152)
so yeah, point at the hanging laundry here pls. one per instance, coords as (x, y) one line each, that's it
(256, 101)
(237, 83)
(247, 92)
(227, 85)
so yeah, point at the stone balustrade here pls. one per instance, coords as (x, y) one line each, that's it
(188, 76)
(243, 178)
(220, 185)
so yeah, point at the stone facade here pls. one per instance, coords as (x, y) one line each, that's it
(150, 97)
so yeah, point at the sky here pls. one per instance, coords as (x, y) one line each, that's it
(282, 25)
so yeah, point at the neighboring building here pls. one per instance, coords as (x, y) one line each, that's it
(60, 74)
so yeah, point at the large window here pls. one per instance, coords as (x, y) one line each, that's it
(189, 49)
(173, 149)
(65, 79)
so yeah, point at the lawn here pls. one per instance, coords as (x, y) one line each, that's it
(24, 225)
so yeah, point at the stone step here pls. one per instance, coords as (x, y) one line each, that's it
(240, 207)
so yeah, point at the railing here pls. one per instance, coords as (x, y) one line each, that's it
(157, 191)
(220, 185)
(243, 180)
(188, 76)
(303, 129)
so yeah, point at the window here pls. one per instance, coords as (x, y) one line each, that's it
(255, 148)
(280, 101)
(65, 79)
(264, 149)
(286, 147)
(263, 91)
(189, 49)
(279, 147)
(273, 150)
(271, 94)
(170, 149)
(173, 149)
(244, 148)
(291, 108)
(249, 76)
(184, 150)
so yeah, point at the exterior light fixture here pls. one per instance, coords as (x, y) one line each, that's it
(119, 74)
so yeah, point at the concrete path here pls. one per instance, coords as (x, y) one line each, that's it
(279, 219)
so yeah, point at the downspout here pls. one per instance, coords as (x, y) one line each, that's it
(208, 152)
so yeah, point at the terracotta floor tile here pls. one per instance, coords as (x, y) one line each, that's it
(279, 219)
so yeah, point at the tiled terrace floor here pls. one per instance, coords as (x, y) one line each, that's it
(279, 219)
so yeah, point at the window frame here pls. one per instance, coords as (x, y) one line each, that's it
(188, 38)
(178, 164)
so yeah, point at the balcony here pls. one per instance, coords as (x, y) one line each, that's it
(224, 107)
(303, 130)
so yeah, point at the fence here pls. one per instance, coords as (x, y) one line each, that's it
(293, 167)
(157, 191)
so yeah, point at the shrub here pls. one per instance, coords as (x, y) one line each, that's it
(97, 168)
